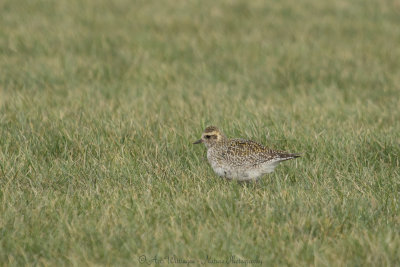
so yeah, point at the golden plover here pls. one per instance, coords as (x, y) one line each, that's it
(240, 159)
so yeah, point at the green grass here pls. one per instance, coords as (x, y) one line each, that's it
(100, 101)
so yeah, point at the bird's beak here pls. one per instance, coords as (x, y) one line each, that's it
(198, 142)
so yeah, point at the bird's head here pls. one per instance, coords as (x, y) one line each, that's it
(211, 136)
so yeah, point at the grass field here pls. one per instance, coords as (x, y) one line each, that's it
(101, 100)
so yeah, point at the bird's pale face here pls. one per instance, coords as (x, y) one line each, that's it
(210, 137)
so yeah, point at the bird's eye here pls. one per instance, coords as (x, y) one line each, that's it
(207, 136)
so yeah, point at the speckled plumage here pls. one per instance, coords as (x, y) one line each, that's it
(240, 159)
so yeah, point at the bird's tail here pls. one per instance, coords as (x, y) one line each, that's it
(287, 156)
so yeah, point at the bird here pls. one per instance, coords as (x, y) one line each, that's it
(240, 159)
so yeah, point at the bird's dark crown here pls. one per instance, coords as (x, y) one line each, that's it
(211, 129)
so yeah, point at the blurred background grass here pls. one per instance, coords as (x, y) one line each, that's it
(100, 101)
